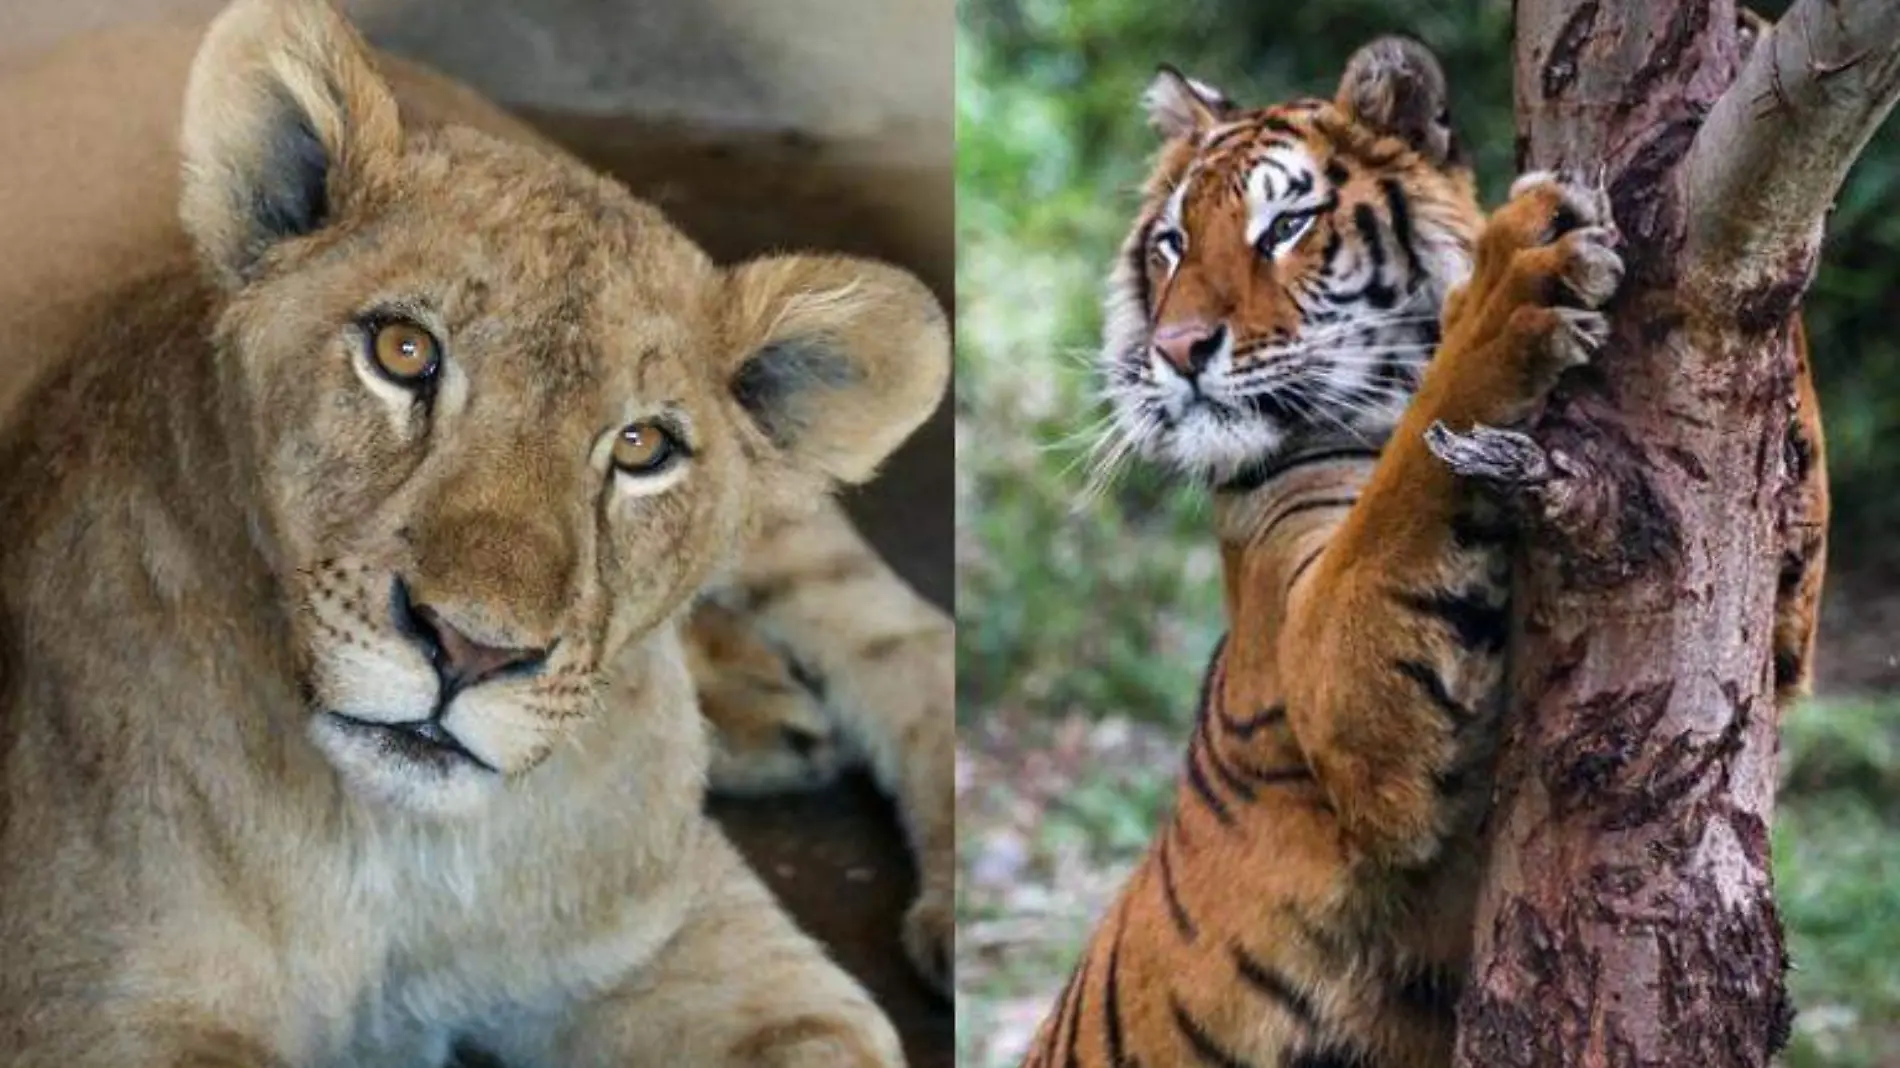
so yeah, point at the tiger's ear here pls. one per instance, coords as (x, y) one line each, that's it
(1180, 106)
(1396, 87)
(840, 359)
(286, 127)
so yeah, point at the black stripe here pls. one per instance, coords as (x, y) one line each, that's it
(1334, 242)
(1376, 291)
(1335, 1057)
(1279, 126)
(1429, 990)
(1434, 687)
(1209, 674)
(1401, 213)
(1311, 559)
(1179, 830)
(1073, 1010)
(1277, 776)
(1201, 1042)
(1478, 625)
(1182, 921)
(1227, 135)
(1336, 172)
(1469, 531)
(1255, 475)
(1197, 779)
(1059, 1014)
(1138, 259)
(1111, 1004)
(1247, 728)
(1266, 979)
(1235, 782)
(1298, 507)
(1368, 226)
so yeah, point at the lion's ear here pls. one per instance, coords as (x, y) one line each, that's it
(286, 125)
(1396, 87)
(839, 360)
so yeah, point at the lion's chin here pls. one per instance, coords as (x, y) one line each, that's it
(393, 768)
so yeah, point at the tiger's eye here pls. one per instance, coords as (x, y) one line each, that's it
(1284, 229)
(405, 352)
(644, 448)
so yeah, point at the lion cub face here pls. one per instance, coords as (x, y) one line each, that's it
(499, 417)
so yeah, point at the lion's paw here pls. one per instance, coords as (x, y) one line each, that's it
(861, 1040)
(930, 939)
(770, 736)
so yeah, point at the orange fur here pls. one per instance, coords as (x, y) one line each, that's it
(1308, 903)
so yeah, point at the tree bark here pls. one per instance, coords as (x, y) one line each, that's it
(1627, 916)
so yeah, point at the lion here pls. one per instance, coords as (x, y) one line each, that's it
(352, 525)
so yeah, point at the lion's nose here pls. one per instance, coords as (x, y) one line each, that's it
(459, 661)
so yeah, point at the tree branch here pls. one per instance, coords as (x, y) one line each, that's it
(1763, 170)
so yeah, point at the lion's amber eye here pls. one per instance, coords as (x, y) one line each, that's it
(404, 352)
(645, 449)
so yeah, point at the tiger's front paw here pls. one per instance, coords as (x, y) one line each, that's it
(1547, 264)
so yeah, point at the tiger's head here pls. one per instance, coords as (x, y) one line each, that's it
(1281, 286)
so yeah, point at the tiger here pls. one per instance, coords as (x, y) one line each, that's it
(1309, 299)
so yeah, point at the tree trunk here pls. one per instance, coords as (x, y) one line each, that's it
(1628, 916)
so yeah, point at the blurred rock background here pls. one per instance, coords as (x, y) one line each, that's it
(1087, 614)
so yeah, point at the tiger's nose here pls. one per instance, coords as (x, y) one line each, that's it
(1188, 346)
(459, 661)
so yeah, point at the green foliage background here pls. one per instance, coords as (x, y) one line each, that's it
(1108, 608)
(1051, 146)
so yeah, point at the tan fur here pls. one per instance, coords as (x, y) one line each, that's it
(1309, 902)
(865, 675)
(209, 495)
(95, 207)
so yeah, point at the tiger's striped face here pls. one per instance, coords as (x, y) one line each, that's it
(1282, 284)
